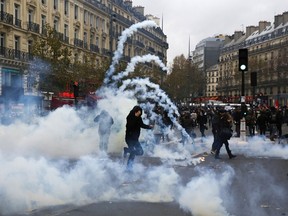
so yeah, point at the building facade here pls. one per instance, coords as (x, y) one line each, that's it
(212, 82)
(207, 52)
(267, 46)
(85, 26)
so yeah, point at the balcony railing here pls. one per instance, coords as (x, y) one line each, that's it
(94, 48)
(106, 52)
(34, 27)
(66, 39)
(15, 54)
(6, 17)
(78, 43)
(18, 22)
(139, 44)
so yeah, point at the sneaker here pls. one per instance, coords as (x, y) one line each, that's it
(213, 152)
(232, 156)
(126, 151)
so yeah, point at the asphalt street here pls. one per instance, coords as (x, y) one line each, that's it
(257, 186)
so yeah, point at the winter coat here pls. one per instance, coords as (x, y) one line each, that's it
(133, 126)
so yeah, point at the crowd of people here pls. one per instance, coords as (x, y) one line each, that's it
(260, 119)
(224, 123)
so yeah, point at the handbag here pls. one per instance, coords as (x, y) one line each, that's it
(226, 133)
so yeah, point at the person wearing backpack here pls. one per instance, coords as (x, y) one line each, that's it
(224, 134)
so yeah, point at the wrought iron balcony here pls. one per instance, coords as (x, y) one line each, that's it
(34, 27)
(6, 17)
(139, 44)
(18, 22)
(94, 48)
(78, 43)
(66, 39)
(15, 54)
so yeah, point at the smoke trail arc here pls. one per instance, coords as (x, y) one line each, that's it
(145, 90)
(120, 48)
(135, 60)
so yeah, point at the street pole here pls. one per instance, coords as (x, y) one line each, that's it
(243, 85)
(243, 66)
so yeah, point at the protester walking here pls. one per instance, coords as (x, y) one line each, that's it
(224, 134)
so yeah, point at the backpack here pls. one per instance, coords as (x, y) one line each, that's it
(273, 117)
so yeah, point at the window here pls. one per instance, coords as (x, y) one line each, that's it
(43, 23)
(76, 33)
(56, 23)
(97, 41)
(92, 20)
(17, 15)
(66, 7)
(55, 4)
(30, 43)
(66, 33)
(97, 22)
(2, 6)
(30, 16)
(76, 12)
(17, 46)
(85, 17)
(85, 37)
(103, 25)
(91, 38)
(2, 43)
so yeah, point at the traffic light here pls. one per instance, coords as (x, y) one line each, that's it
(253, 78)
(243, 59)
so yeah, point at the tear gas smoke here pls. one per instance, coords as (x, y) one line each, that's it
(54, 160)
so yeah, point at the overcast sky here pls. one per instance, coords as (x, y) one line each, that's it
(205, 18)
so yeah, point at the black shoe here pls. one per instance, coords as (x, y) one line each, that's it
(126, 151)
(213, 152)
(217, 157)
(232, 156)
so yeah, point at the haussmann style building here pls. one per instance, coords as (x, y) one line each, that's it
(84, 26)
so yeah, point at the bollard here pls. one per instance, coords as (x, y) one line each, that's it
(243, 130)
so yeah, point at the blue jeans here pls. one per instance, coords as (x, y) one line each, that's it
(135, 148)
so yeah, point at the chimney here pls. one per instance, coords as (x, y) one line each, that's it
(250, 30)
(278, 19)
(263, 25)
(128, 3)
(237, 35)
(227, 39)
(285, 17)
(139, 9)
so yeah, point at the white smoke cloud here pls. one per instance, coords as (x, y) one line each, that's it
(55, 160)
(199, 200)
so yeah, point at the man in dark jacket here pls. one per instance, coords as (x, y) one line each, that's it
(215, 129)
(225, 125)
(133, 127)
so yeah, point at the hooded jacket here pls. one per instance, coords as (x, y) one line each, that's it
(134, 125)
